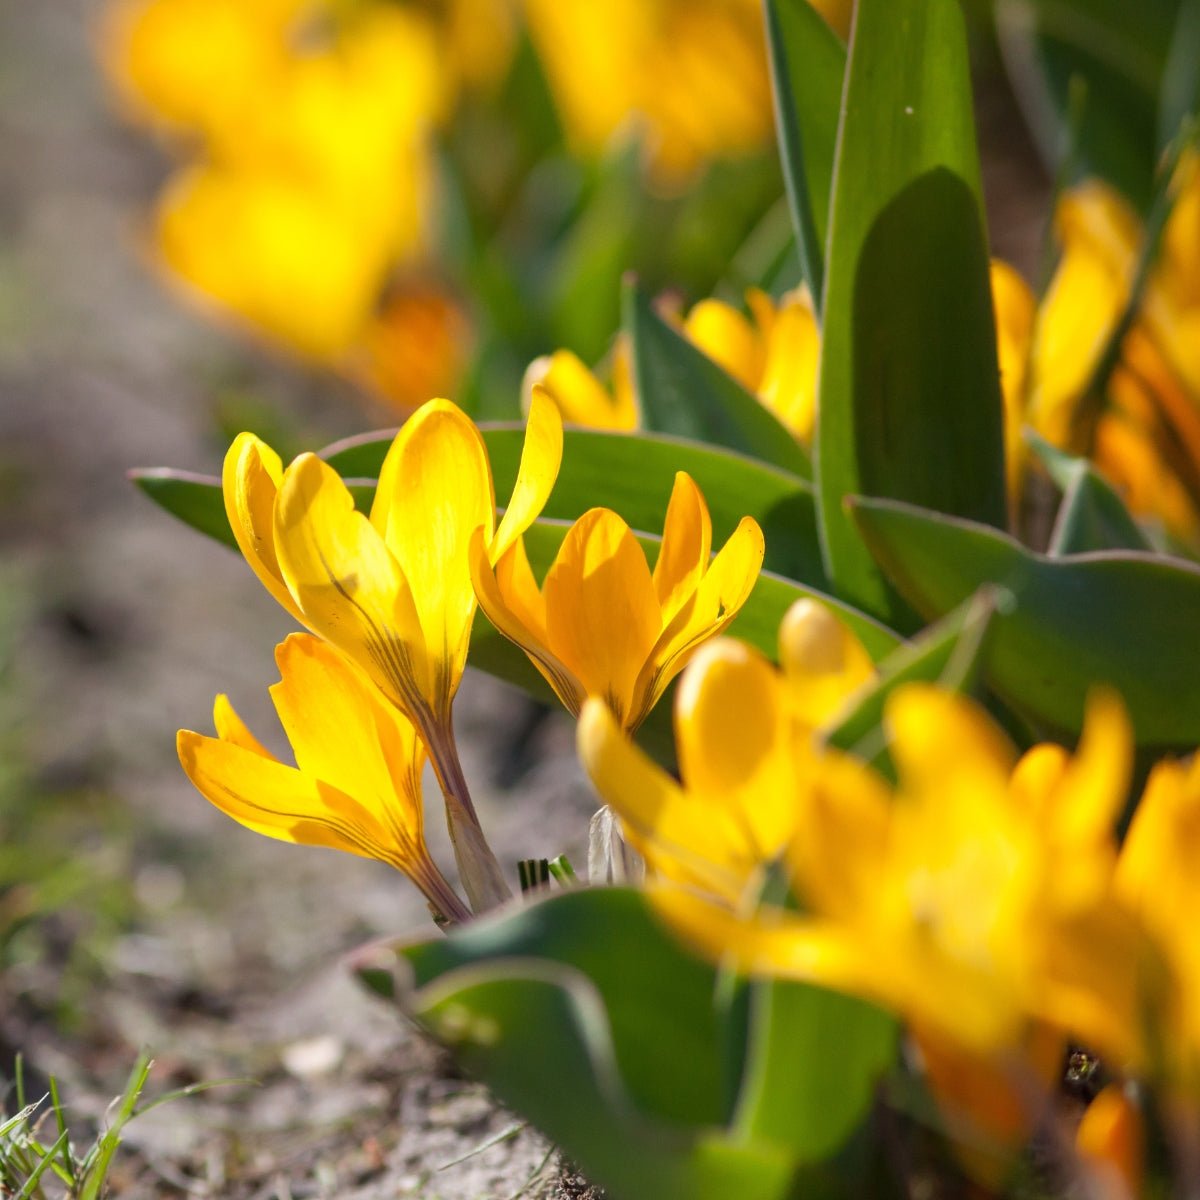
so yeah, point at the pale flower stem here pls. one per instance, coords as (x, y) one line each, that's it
(478, 868)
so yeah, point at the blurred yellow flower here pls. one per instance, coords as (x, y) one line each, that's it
(581, 397)
(603, 624)
(689, 76)
(357, 783)
(972, 900)
(1144, 432)
(393, 592)
(1111, 1143)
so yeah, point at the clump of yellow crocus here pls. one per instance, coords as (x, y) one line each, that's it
(393, 592)
(357, 783)
(602, 623)
(690, 76)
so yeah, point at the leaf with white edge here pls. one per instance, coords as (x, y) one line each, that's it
(683, 391)
(808, 62)
(910, 402)
(1122, 618)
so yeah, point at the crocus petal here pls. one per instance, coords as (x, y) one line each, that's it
(825, 664)
(789, 947)
(934, 734)
(344, 733)
(279, 801)
(503, 593)
(725, 587)
(231, 728)
(602, 615)
(435, 490)
(742, 765)
(679, 836)
(348, 585)
(250, 481)
(728, 338)
(686, 546)
(541, 457)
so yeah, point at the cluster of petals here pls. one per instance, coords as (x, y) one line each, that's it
(602, 623)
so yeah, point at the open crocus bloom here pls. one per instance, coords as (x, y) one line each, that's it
(357, 783)
(603, 624)
(393, 592)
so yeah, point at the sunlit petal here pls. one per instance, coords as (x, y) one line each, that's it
(686, 546)
(541, 457)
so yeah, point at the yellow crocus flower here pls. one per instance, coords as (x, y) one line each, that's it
(357, 783)
(581, 397)
(393, 592)
(951, 901)
(689, 75)
(603, 624)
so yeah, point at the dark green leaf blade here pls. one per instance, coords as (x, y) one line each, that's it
(682, 391)
(808, 62)
(193, 498)
(910, 401)
(1121, 618)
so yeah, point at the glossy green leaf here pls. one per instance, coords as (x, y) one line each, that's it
(910, 401)
(1119, 50)
(814, 1063)
(585, 1016)
(948, 653)
(1126, 619)
(808, 62)
(682, 391)
(1179, 96)
(1091, 516)
(194, 499)
(633, 475)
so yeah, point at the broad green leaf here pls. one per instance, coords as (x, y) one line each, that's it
(1126, 619)
(1120, 51)
(948, 653)
(1179, 96)
(1091, 516)
(682, 391)
(910, 401)
(808, 62)
(814, 1062)
(633, 475)
(585, 1016)
(195, 499)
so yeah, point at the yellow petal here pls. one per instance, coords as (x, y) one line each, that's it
(435, 490)
(231, 728)
(279, 801)
(250, 482)
(602, 615)
(541, 457)
(348, 585)
(733, 739)
(789, 381)
(776, 944)
(725, 587)
(509, 598)
(824, 662)
(729, 339)
(1092, 793)
(679, 836)
(344, 733)
(935, 733)
(686, 546)
(579, 395)
(1110, 1139)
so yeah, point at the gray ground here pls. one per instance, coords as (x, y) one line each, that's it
(128, 625)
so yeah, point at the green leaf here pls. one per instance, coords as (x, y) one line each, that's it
(1125, 619)
(814, 1063)
(1120, 51)
(682, 391)
(948, 653)
(585, 1016)
(910, 402)
(1091, 516)
(633, 475)
(195, 499)
(1179, 97)
(808, 62)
